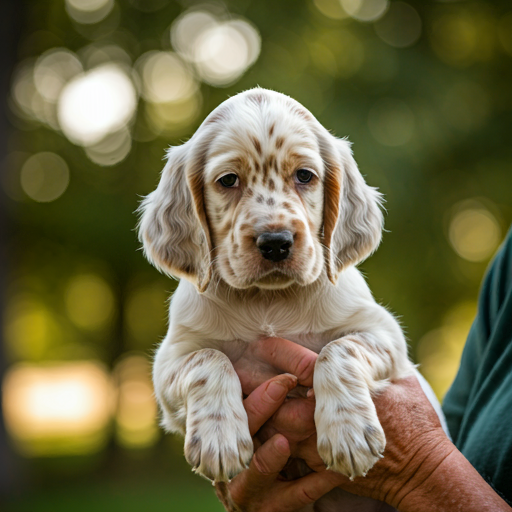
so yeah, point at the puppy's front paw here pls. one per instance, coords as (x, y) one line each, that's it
(348, 443)
(218, 446)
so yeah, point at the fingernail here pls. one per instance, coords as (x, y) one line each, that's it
(281, 444)
(276, 390)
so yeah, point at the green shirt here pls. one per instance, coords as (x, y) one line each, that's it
(478, 406)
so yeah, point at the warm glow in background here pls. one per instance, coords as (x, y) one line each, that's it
(101, 88)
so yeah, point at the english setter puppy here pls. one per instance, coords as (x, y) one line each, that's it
(263, 214)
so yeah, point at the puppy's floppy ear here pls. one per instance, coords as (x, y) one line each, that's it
(173, 226)
(352, 214)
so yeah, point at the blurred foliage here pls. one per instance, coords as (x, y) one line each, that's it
(423, 90)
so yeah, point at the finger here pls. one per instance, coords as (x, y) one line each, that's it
(294, 419)
(308, 489)
(289, 357)
(308, 451)
(267, 462)
(265, 400)
(250, 380)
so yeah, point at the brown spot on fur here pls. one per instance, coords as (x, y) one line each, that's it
(260, 199)
(257, 145)
(271, 130)
(340, 408)
(344, 381)
(302, 113)
(264, 170)
(332, 187)
(271, 184)
(279, 142)
(350, 351)
(221, 114)
(257, 98)
(271, 201)
(198, 383)
(287, 206)
(224, 230)
(196, 185)
(216, 417)
(323, 358)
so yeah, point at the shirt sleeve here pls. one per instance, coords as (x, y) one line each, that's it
(495, 290)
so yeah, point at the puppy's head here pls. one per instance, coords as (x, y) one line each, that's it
(262, 195)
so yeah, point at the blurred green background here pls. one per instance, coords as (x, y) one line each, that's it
(96, 90)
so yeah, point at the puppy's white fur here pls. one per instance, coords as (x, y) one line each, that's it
(194, 228)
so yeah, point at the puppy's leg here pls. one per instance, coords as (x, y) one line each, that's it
(201, 397)
(347, 371)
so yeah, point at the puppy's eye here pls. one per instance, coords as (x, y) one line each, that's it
(304, 176)
(229, 180)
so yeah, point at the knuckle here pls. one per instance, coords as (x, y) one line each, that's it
(305, 366)
(304, 497)
(261, 465)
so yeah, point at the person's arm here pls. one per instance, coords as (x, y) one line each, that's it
(421, 469)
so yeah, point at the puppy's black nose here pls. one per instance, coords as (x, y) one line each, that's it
(275, 246)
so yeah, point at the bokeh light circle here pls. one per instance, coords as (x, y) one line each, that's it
(95, 104)
(89, 11)
(365, 10)
(400, 27)
(111, 150)
(220, 50)
(89, 301)
(165, 78)
(44, 177)
(53, 69)
(474, 232)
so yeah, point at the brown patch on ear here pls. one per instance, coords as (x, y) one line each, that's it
(332, 193)
(196, 184)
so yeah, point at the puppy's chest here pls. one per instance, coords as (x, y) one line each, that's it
(305, 326)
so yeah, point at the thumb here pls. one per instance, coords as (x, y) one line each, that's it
(268, 460)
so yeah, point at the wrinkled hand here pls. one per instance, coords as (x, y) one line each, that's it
(421, 469)
(260, 488)
(409, 440)
(287, 429)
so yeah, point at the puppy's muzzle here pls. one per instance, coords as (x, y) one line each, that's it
(275, 246)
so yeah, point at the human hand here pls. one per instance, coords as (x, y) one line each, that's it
(294, 420)
(259, 488)
(421, 470)
(405, 413)
(415, 445)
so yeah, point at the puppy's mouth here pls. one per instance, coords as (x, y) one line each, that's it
(274, 280)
